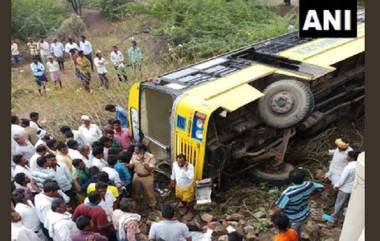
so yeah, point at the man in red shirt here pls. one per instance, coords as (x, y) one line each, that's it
(123, 135)
(97, 215)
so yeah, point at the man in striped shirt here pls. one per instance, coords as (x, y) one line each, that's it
(294, 200)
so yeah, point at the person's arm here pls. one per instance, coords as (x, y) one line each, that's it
(186, 233)
(98, 131)
(140, 54)
(152, 232)
(281, 203)
(127, 175)
(121, 57)
(189, 172)
(172, 177)
(331, 152)
(66, 198)
(64, 233)
(76, 214)
(89, 45)
(42, 68)
(343, 178)
(151, 163)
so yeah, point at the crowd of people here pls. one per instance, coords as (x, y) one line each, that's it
(92, 182)
(50, 58)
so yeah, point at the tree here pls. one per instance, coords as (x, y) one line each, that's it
(77, 6)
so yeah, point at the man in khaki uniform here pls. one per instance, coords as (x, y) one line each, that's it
(143, 164)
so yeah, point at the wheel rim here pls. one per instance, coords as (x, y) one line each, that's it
(282, 102)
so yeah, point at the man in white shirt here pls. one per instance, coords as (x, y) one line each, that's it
(74, 153)
(100, 64)
(338, 162)
(59, 222)
(44, 50)
(16, 129)
(89, 131)
(22, 165)
(113, 175)
(182, 179)
(43, 200)
(41, 150)
(34, 123)
(98, 158)
(27, 212)
(71, 45)
(19, 231)
(23, 147)
(58, 51)
(117, 59)
(344, 186)
(86, 47)
(72, 134)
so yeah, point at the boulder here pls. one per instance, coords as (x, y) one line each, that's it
(223, 238)
(248, 229)
(251, 236)
(235, 217)
(206, 217)
(259, 214)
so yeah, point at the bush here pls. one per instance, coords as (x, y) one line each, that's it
(114, 9)
(72, 26)
(35, 18)
(201, 28)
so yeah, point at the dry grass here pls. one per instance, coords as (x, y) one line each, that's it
(66, 105)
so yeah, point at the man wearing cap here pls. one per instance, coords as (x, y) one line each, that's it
(339, 160)
(135, 55)
(100, 64)
(90, 132)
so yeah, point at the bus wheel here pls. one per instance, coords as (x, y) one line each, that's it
(272, 177)
(285, 103)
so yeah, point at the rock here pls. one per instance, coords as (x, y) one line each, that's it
(223, 238)
(234, 217)
(234, 224)
(272, 191)
(249, 228)
(219, 229)
(242, 222)
(305, 236)
(251, 236)
(259, 214)
(271, 212)
(206, 217)
(329, 239)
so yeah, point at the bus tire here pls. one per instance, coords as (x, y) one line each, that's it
(285, 103)
(276, 179)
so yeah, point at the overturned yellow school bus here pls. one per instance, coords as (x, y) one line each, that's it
(237, 111)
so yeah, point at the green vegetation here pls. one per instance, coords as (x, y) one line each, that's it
(33, 18)
(201, 28)
(114, 9)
